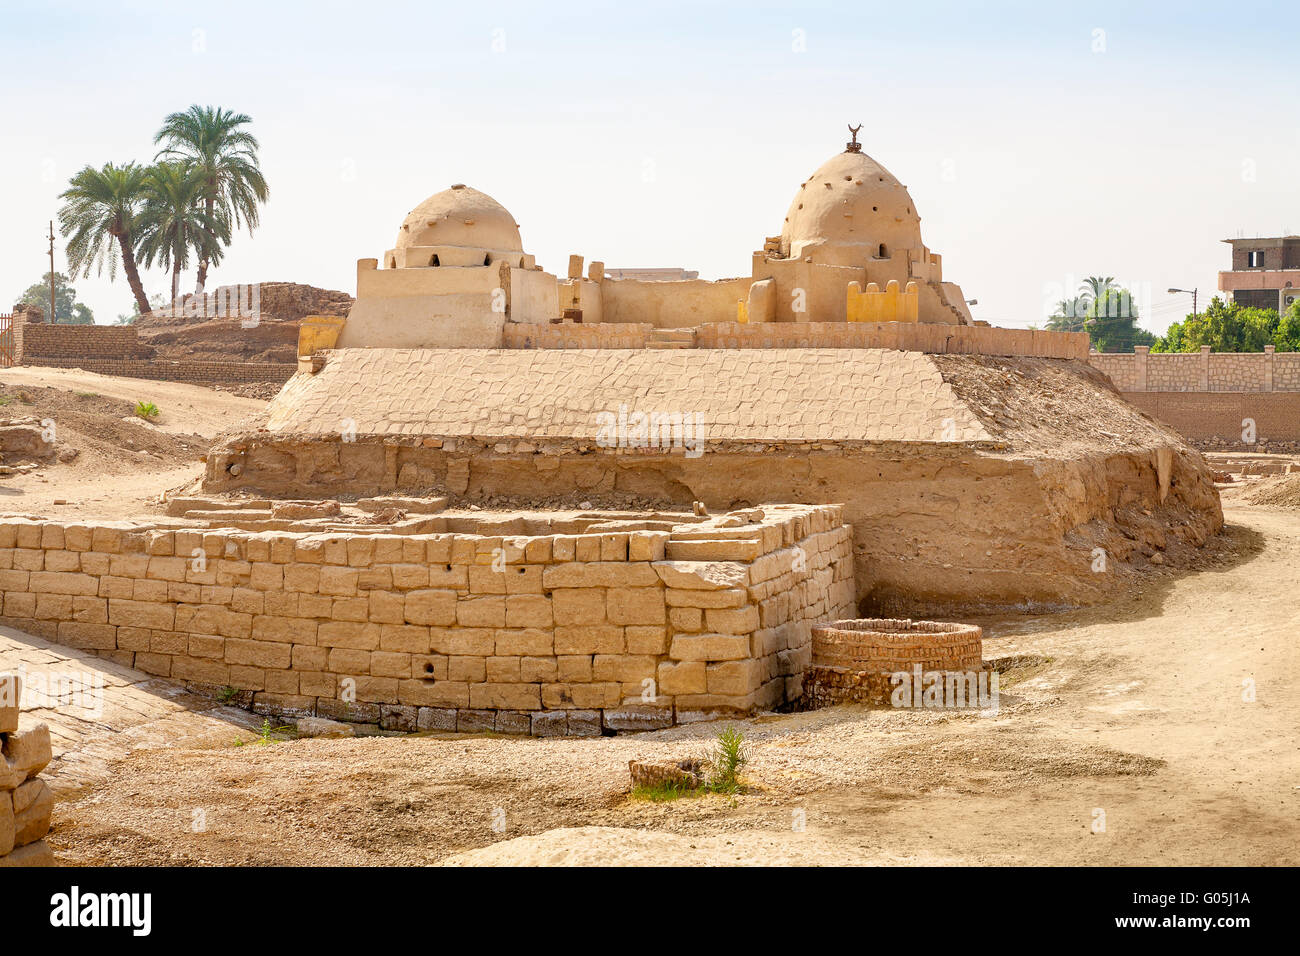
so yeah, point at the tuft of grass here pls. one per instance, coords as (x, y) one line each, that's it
(6, 399)
(227, 694)
(88, 395)
(268, 732)
(663, 792)
(147, 410)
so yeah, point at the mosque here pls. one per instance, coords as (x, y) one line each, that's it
(850, 250)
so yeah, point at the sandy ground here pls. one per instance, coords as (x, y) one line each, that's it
(111, 478)
(1135, 711)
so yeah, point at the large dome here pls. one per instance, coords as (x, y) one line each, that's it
(461, 216)
(851, 208)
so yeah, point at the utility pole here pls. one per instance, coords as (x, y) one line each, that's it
(53, 318)
(1193, 294)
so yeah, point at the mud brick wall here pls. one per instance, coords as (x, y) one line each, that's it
(1219, 417)
(576, 335)
(550, 635)
(206, 373)
(41, 341)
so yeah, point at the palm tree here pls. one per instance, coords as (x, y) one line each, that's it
(1094, 287)
(100, 207)
(173, 221)
(212, 141)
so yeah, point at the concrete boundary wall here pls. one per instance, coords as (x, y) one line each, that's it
(545, 634)
(1203, 371)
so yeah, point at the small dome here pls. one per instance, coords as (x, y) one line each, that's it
(851, 201)
(461, 216)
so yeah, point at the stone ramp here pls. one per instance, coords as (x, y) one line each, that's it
(97, 710)
(738, 394)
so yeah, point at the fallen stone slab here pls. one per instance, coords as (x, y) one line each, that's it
(323, 727)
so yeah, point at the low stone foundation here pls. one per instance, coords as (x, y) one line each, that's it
(586, 624)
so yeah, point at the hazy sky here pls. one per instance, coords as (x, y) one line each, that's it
(1041, 142)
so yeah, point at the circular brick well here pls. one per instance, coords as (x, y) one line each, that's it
(853, 660)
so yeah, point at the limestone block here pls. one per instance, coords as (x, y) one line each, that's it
(726, 597)
(742, 620)
(435, 607)
(734, 678)
(481, 612)
(702, 575)
(505, 696)
(589, 639)
(550, 723)
(578, 605)
(686, 618)
(8, 828)
(725, 549)
(573, 668)
(584, 723)
(476, 641)
(598, 574)
(475, 721)
(33, 854)
(409, 638)
(400, 717)
(538, 670)
(348, 634)
(636, 606)
(636, 717)
(526, 641)
(709, 647)
(684, 677)
(646, 639)
(11, 689)
(434, 719)
(323, 727)
(26, 753)
(528, 610)
(647, 545)
(514, 722)
(624, 668)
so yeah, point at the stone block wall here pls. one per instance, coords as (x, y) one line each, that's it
(26, 801)
(547, 634)
(904, 336)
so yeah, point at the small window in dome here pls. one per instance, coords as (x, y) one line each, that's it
(392, 263)
(487, 259)
(433, 261)
(883, 252)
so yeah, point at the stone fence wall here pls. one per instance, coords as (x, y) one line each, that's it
(544, 634)
(1204, 371)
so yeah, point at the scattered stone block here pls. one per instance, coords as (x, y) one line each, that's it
(638, 718)
(323, 727)
(550, 723)
(33, 822)
(475, 721)
(584, 723)
(11, 689)
(436, 719)
(688, 774)
(401, 717)
(33, 854)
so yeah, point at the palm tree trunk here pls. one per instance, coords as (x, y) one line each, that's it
(176, 285)
(202, 278)
(133, 274)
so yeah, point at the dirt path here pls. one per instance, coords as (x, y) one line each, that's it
(122, 465)
(1135, 710)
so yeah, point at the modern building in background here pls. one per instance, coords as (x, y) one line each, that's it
(1265, 273)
